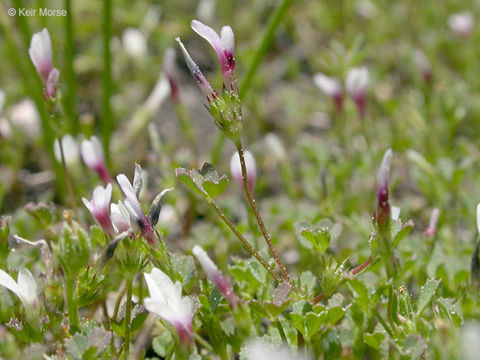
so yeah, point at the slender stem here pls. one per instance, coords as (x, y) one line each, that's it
(260, 222)
(67, 178)
(357, 270)
(69, 72)
(107, 122)
(245, 242)
(203, 342)
(117, 303)
(71, 304)
(128, 316)
(281, 332)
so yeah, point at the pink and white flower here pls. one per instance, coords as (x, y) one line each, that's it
(92, 154)
(236, 169)
(423, 64)
(357, 83)
(99, 207)
(332, 87)
(215, 275)
(166, 301)
(224, 46)
(382, 213)
(120, 217)
(135, 209)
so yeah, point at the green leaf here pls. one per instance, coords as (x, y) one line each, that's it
(313, 323)
(451, 309)
(205, 182)
(335, 314)
(426, 294)
(362, 292)
(403, 232)
(319, 237)
(215, 298)
(137, 322)
(374, 340)
(161, 343)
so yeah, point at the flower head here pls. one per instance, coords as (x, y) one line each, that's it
(135, 209)
(70, 149)
(224, 46)
(40, 52)
(99, 207)
(25, 287)
(330, 87)
(236, 169)
(358, 80)
(462, 23)
(52, 83)
(220, 281)
(92, 154)
(167, 302)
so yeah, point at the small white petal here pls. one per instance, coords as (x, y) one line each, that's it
(134, 42)
(358, 80)
(207, 264)
(7, 281)
(27, 286)
(228, 39)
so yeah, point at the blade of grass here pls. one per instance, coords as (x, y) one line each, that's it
(69, 100)
(106, 124)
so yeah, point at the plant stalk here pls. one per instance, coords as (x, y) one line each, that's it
(71, 304)
(260, 222)
(67, 179)
(128, 315)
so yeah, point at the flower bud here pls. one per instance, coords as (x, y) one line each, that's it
(220, 281)
(423, 64)
(92, 154)
(52, 83)
(432, 226)
(40, 52)
(330, 87)
(156, 207)
(134, 42)
(382, 213)
(358, 80)
(236, 169)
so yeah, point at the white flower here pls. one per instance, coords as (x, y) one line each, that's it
(330, 86)
(70, 150)
(236, 168)
(258, 350)
(134, 42)
(25, 287)
(461, 23)
(40, 52)
(167, 302)
(358, 80)
(120, 217)
(24, 115)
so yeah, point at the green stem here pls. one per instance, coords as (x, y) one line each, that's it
(106, 124)
(71, 304)
(245, 242)
(128, 316)
(274, 21)
(260, 222)
(69, 99)
(67, 179)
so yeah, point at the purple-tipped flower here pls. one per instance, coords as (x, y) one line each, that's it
(423, 64)
(382, 213)
(40, 52)
(99, 207)
(462, 23)
(135, 210)
(92, 154)
(166, 301)
(205, 86)
(358, 80)
(220, 281)
(432, 226)
(224, 46)
(330, 87)
(171, 73)
(236, 169)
